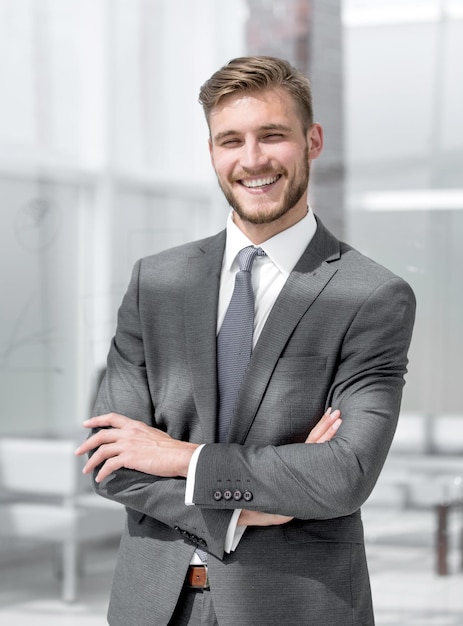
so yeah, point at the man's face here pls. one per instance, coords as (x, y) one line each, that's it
(261, 156)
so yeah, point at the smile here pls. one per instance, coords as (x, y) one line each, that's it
(259, 182)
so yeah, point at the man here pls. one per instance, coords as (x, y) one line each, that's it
(278, 517)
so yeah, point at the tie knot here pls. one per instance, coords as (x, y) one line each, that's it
(246, 257)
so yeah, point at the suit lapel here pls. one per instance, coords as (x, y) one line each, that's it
(310, 276)
(201, 322)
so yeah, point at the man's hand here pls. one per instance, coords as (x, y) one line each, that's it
(323, 431)
(134, 445)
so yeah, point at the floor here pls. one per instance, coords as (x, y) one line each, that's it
(406, 590)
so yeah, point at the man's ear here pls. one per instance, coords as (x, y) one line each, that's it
(315, 140)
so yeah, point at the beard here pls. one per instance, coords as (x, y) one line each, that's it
(296, 188)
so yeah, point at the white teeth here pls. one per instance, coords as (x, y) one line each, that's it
(259, 182)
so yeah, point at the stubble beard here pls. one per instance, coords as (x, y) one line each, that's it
(294, 192)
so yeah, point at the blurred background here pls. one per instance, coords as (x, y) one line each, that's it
(104, 159)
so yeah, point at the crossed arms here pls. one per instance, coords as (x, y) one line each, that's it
(126, 443)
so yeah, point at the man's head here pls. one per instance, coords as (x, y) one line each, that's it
(262, 141)
(258, 73)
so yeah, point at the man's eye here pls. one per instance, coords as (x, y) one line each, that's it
(230, 142)
(273, 136)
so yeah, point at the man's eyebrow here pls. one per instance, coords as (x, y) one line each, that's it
(266, 127)
(282, 127)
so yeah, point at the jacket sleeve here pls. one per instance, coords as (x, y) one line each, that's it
(333, 479)
(125, 390)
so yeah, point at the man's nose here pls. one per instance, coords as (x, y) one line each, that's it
(253, 156)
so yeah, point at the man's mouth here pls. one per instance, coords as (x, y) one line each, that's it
(259, 182)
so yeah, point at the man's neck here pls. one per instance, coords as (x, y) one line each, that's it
(258, 233)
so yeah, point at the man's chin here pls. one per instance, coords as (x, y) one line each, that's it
(260, 216)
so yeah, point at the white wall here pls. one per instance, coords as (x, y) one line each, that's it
(103, 159)
(404, 133)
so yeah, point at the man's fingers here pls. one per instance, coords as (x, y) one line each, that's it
(257, 518)
(320, 428)
(98, 439)
(323, 430)
(114, 426)
(110, 466)
(330, 433)
(102, 454)
(116, 420)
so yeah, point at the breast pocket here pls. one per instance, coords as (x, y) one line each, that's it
(301, 367)
(294, 399)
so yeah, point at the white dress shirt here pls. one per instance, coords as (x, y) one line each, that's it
(269, 274)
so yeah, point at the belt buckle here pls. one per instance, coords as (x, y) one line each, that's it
(197, 577)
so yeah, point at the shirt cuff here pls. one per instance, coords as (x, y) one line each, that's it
(234, 532)
(190, 479)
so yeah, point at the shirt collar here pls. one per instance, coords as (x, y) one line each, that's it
(284, 249)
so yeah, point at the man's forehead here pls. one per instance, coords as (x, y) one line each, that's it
(235, 110)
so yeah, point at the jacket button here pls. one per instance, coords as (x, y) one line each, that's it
(247, 495)
(227, 494)
(202, 543)
(237, 495)
(217, 495)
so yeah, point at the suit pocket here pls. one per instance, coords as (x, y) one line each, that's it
(305, 367)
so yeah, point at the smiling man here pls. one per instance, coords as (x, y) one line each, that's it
(227, 352)
(261, 151)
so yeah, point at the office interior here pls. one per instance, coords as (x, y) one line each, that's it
(104, 159)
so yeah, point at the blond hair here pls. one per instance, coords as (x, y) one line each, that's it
(254, 74)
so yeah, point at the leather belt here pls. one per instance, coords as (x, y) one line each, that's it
(196, 577)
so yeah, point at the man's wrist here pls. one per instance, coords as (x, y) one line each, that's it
(190, 479)
(184, 457)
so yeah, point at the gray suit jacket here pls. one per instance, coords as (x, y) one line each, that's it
(337, 336)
